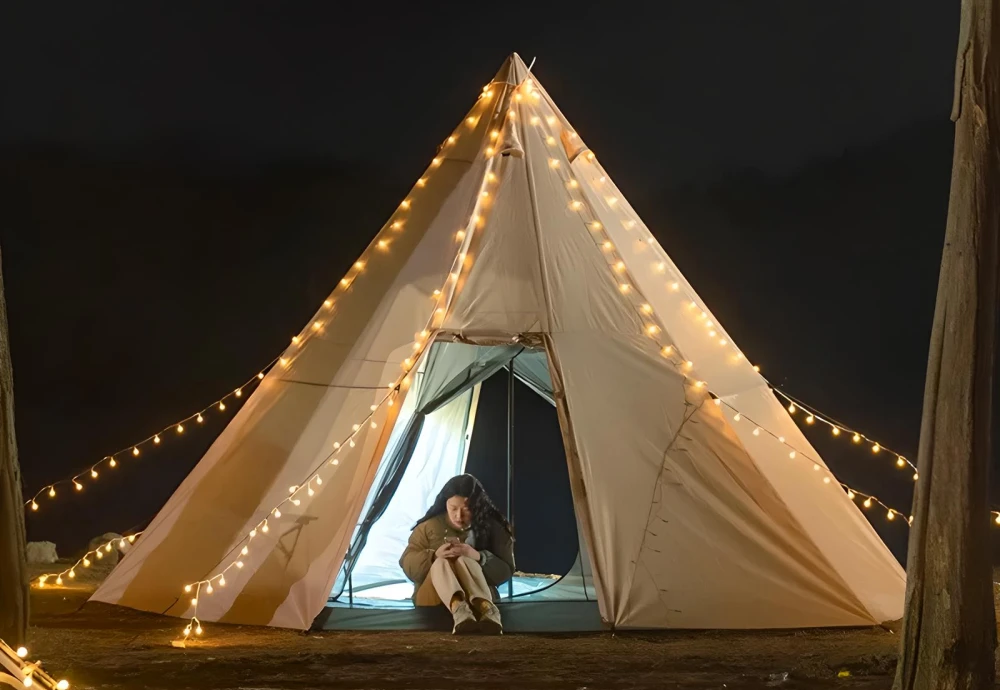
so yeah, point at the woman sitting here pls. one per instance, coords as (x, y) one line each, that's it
(459, 552)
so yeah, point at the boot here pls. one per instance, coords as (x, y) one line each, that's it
(489, 618)
(465, 620)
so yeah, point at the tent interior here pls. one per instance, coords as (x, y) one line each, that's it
(498, 423)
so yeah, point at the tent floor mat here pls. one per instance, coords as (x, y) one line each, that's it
(518, 617)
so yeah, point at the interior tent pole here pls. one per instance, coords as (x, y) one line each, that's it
(510, 459)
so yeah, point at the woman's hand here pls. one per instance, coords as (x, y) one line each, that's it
(445, 551)
(465, 550)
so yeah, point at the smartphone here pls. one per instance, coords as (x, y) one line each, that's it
(451, 540)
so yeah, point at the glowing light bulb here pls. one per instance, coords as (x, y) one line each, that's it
(283, 361)
(890, 515)
(86, 562)
(620, 266)
(34, 506)
(319, 481)
(451, 139)
(180, 428)
(99, 554)
(198, 630)
(792, 408)
(607, 246)
(310, 491)
(374, 425)
(553, 163)
(156, 439)
(815, 467)
(850, 494)
(326, 303)
(222, 406)
(646, 308)
(131, 539)
(535, 119)
(997, 519)
(737, 417)
(667, 351)
(624, 287)
(868, 502)
(355, 427)
(77, 485)
(900, 462)
(194, 601)
(916, 476)
(876, 448)
(810, 419)
(200, 419)
(435, 161)
(756, 432)
(791, 455)
(826, 480)
(405, 205)
(781, 439)
(72, 574)
(421, 182)
(22, 652)
(351, 443)
(209, 589)
(239, 564)
(112, 462)
(245, 550)
(836, 431)
(277, 513)
(576, 205)
(550, 140)
(296, 339)
(857, 438)
(28, 682)
(316, 324)
(612, 201)
(52, 492)
(688, 364)
(573, 184)
(62, 685)
(490, 151)
(335, 462)
(265, 528)
(675, 286)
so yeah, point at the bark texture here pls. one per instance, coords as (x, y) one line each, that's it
(949, 628)
(13, 574)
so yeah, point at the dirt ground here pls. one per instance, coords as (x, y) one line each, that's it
(100, 646)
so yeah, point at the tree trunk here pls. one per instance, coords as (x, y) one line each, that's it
(949, 629)
(13, 575)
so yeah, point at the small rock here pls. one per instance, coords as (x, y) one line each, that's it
(40, 552)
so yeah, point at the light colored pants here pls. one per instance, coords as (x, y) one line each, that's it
(449, 577)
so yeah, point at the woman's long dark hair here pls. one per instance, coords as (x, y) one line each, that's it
(484, 512)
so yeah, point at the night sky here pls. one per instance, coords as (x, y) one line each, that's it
(181, 186)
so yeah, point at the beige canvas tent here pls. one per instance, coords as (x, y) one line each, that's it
(699, 502)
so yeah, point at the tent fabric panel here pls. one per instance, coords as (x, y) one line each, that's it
(269, 440)
(833, 521)
(682, 504)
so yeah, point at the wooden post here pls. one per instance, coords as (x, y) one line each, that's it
(949, 626)
(13, 576)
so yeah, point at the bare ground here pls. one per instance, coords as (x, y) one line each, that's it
(100, 646)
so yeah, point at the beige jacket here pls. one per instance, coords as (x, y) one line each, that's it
(497, 560)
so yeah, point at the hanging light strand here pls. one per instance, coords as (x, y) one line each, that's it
(14, 664)
(315, 478)
(380, 244)
(653, 328)
(79, 480)
(813, 415)
(86, 560)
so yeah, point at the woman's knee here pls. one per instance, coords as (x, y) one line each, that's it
(440, 564)
(470, 563)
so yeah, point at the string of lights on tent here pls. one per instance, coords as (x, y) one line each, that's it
(442, 299)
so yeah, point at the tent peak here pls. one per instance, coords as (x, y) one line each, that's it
(512, 71)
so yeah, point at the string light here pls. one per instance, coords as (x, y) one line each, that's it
(812, 417)
(837, 428)
(93, 472)
(85, 560)
(17, 668)
(442, 297)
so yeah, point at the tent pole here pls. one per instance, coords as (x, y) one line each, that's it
(510, 459)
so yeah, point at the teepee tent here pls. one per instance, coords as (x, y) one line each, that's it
(699, 502)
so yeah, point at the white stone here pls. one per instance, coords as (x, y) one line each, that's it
(40, 552)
